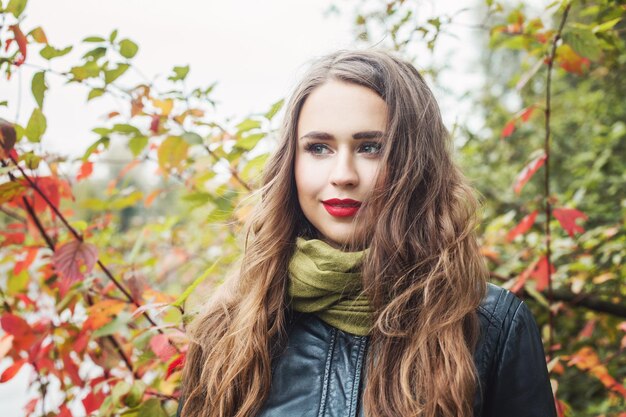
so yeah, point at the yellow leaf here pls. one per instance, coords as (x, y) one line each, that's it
(165, 105)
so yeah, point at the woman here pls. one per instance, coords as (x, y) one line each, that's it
(362, 290)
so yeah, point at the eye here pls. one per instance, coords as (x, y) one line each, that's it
(371, 147)
(316, 148)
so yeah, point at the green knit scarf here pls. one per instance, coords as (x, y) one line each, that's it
(327, 282)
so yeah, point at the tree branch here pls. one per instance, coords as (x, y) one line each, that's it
(548, 208)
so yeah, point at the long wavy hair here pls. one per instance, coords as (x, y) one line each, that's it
(424, 274)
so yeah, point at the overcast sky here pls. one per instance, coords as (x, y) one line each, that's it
(254, 49)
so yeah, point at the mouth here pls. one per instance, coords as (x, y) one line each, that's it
(341, 207)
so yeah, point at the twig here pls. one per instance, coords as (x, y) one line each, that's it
(233, 172)
(547, 175)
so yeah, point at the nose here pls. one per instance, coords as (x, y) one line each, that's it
(344, 171)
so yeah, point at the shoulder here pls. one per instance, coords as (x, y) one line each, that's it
(504, 318)
(500, 307)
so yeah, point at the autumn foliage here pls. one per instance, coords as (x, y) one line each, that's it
(98, 276)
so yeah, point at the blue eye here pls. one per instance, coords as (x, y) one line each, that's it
(316, 148)
(371, 147)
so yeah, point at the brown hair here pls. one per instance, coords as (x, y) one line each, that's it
(424, 274)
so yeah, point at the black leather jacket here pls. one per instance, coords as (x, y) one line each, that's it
(321, 371)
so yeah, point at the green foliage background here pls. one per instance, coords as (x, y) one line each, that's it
(162, 245)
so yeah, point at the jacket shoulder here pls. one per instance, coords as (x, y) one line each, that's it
(498, 307)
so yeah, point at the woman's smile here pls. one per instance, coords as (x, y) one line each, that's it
(341, 208)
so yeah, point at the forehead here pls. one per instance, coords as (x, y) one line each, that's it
(340, 108)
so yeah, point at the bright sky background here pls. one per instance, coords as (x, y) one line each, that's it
(254, 49)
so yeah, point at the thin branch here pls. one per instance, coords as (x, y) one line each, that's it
(589, 301)
(548, 210)
(77, 236)
(233, 172)
(12, 214)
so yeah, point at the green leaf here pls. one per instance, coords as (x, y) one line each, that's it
(16, 7)
(38, 87)
(48, 52)
(104, 141)
(89, 70)
(102, 131)
(9, 190)
(172, 152)
(254, 167)
(126, 129)
(38, 35)
(36, 125)
(606, 25)
(180, 73)
(181, 300)
(274, 109)
(112, 36)
(250, 141)
(584, 42)
(192, 138)
(126, 201)
(137, 144)
(94, 39)
(95, 53)
(114, 74)
(18, 283)
(128, 48)
(95, 92)
(151, 408)
(248, 124)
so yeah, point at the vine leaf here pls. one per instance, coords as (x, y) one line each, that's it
(12, 370)
(529, 170)
(175, 365)
(85, 171)
(540, 273)
(75, 259)
(567, 218)
(523, 226)
(21, 43)
(160, 345)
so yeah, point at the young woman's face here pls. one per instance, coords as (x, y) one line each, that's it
(340, 132)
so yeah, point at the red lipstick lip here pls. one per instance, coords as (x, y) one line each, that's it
(346, 202)
(341, 207)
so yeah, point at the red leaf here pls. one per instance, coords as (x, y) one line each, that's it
(523, 226)
(570, 61)
(177, 363)
(18, 327)
(12, 370)
(523, 277)
(31, 254)
(71, 369)
(529, 170)
(29, 408)
(93, 401)
(74, 259)
(540, 273)
(102, 312)
(508, 130)
(21, 43)
(160, 345)
(85, 170)
(567, 218)
(528, 111)
(154, 124)
(64, 411)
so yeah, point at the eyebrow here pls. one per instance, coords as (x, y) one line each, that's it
(370, 134)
